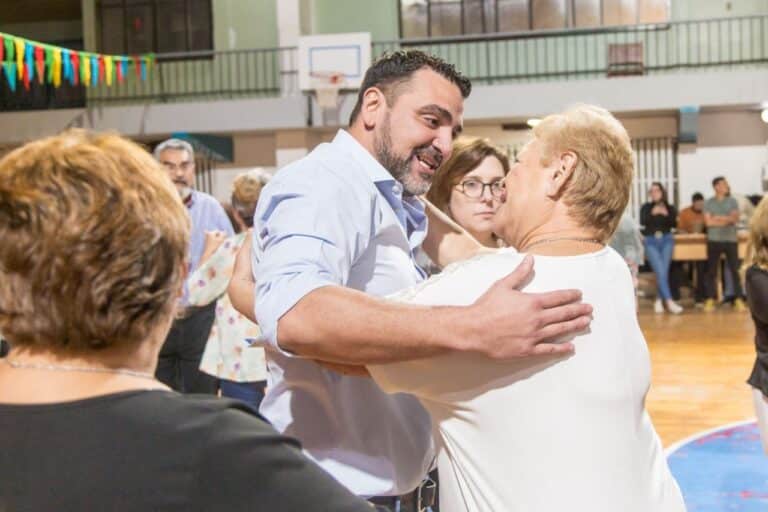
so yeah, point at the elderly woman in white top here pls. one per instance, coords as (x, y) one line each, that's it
(550, 434)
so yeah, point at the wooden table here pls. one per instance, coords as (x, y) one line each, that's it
(693, 247)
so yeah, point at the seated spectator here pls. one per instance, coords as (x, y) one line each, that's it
(757, 298)
(93, 259)
(658, 218)
(691, 220)
(241, 370)
(552, 433)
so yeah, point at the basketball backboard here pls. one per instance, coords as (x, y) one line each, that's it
(348, 54)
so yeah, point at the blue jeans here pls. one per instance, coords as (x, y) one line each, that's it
(658, 252)
(251, 393)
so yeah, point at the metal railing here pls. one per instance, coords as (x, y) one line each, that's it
(486, 59)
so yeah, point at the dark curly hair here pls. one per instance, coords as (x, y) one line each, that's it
(396, 68)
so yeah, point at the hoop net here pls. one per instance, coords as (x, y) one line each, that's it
(326, 86)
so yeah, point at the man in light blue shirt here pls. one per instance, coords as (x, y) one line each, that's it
(339, 228)
(179, 364)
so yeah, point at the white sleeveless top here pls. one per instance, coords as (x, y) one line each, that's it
(543, 434)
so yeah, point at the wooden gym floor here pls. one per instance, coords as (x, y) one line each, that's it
(700, 364)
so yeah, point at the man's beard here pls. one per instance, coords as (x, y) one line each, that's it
(399, 167)
(183, 189)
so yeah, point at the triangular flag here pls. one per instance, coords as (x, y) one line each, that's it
(8, 43)
(143, 70)
(40, 63)
(75, 68)
(108, 69)
(49, 64)
(29, 61)
(9, 67)
(120, 68)
(56, 67)
(2, 47)
(137, 67)
(66, 67)
(102, 72)
(94, 70)
(25, 77)
(19, 44)
(85, 67)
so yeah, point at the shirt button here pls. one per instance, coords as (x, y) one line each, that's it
(397, 188)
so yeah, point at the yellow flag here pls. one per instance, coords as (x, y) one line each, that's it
(19, 44)
(108, 70)
(86, 63)
(56, 68)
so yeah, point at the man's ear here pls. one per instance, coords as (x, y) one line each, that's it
(373, 106)
(561, 171)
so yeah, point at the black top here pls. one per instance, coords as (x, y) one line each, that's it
(657, 223)
(757, 297)
(156, 451)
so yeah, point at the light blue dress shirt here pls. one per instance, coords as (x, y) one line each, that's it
(338, 218)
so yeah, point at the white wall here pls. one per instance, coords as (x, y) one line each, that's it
(741, 165)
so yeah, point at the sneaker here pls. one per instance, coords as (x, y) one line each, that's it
(673, 307)
(709, 305)
(738, 305)
(658, 307)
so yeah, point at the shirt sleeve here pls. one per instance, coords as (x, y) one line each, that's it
(248, 466)
(209, 281)
(307, 234)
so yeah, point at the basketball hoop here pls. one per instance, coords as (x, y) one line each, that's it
(326, 86)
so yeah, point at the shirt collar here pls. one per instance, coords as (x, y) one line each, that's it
(189, 200)
(370, 165)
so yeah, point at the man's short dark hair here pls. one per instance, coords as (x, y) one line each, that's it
(697, 196)
(718, 180)
(396, 68)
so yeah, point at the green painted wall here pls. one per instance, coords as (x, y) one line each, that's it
(379, 17)
(241, 24)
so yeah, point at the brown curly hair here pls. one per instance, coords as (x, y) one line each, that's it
(94, 243)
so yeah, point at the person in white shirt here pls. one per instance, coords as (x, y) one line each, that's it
(554, 433)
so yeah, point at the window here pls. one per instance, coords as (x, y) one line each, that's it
(160, 26)
(439, 18)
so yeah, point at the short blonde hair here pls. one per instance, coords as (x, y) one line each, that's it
(598, 189)
(757, 250)
(246, 190)
(94, 242)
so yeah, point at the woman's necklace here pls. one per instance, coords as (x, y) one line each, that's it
(85, 369)
(563, 239)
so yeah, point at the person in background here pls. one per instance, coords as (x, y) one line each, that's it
(658, 218)
(691, 220)
(628, 242)
(93, 260)
(721, 215)
(179, 365)
(241, 370)
(756, 280)
(469, 185)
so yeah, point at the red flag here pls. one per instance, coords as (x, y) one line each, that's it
(2, 48)
(25, 77)
(101, 69)
(119, 69)
(40, 63)
(137, 67)
(76, 67)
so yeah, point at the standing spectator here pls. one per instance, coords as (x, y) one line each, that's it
(721, 214)
(178, 366)
(658, 219)
(691, 220)
(757, 297)
(241, 370)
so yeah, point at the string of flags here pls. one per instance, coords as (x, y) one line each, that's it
(24, 61)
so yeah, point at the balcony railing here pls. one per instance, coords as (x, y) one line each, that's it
(726, 43)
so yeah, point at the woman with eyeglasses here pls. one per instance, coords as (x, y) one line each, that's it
(469, 185)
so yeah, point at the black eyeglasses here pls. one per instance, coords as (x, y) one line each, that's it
(476, 188)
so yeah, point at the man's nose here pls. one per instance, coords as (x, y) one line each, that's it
(444, 141)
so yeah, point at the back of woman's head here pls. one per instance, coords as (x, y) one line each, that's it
(468, 153)
(94, 243)
(758, 236)
(246, 190)
(598, 189)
